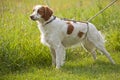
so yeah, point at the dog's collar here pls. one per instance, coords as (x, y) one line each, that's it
(54, 17)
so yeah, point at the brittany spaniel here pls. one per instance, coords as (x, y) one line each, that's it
(58, 34)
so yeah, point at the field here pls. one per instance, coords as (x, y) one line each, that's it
(23, 57)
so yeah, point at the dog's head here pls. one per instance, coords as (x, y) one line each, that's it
(41, 12)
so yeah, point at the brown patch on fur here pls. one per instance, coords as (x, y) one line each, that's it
(70, 28)
(80, 34)
(45, 12)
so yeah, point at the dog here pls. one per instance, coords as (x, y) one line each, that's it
(59, 34)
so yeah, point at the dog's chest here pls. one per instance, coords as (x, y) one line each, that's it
(49, 36)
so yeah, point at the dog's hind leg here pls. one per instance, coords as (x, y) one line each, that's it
(95, 37)
(104, 51)
(99, 44)
(90, 48)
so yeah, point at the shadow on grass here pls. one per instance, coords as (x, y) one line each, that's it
(92, 70)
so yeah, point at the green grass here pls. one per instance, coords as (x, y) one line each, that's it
(23, 57)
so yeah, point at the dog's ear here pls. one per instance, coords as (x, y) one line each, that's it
(45, 12)
(48, 13)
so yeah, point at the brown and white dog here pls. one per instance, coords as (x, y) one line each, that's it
(58, 34)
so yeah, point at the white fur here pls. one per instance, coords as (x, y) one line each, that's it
(55, 36)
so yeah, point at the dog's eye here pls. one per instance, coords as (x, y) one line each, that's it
(38, 11)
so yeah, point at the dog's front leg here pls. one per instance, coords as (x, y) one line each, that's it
(60, 55)
(53, 54)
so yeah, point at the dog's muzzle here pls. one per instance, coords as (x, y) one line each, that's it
(32, 17)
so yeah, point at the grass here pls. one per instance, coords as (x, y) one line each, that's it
(23, 57)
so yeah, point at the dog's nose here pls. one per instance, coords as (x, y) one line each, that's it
(32, 17)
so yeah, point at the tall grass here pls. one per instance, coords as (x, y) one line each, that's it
(20, 45)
